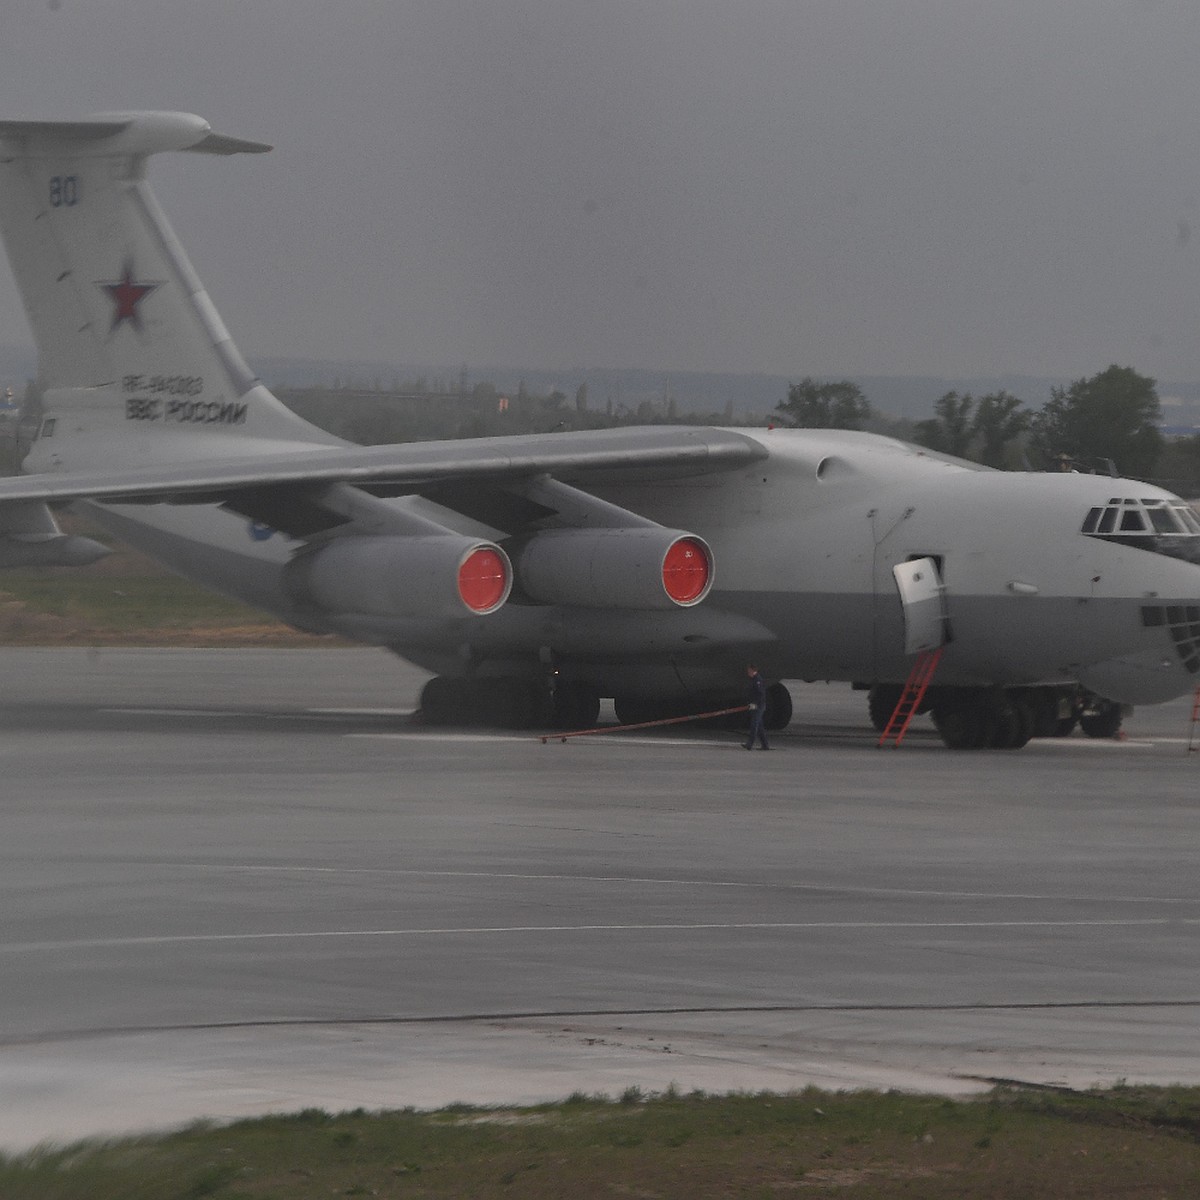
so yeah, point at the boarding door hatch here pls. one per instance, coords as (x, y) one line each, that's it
(923, 597)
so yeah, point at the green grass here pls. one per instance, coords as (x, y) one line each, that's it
(124, 599)
(1013, 1143)
(121, 602)
(92, 606)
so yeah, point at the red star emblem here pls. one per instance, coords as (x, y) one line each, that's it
(126, 295)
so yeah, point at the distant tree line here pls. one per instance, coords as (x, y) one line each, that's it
(409, 413)
(1109, 421)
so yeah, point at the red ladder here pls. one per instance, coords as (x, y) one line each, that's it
(1192, 747)
(912, 695)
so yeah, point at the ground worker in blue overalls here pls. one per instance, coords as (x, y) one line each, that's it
(757, 696)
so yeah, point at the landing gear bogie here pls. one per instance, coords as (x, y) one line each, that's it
(1006, 719)
(499, 702)
(984, 720)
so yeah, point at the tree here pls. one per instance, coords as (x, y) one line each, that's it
(999, 421)
(949, 431)
(813, 405)
(1111, 416)
(1178, 467)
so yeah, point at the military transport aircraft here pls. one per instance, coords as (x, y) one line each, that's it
(534, 575)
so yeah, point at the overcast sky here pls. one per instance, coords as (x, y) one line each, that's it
(827, 187)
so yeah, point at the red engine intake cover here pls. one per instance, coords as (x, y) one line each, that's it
(483, 580)
(686, 570)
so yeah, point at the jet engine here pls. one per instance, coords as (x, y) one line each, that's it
(641, 567)
(422, 578)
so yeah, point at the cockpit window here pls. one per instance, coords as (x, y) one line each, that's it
(1158, 524)
(1162, 518)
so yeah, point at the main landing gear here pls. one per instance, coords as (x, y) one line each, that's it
(510, 703)
(526, 703)
(1003, 718)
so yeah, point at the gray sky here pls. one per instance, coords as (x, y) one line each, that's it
(818, 187)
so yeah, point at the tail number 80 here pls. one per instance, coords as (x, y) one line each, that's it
(64, 191)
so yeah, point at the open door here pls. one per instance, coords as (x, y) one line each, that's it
(923, 597)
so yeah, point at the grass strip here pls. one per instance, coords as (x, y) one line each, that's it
(60, 606)
(1124, 1142)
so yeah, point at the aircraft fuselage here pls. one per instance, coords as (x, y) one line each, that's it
(804, 545)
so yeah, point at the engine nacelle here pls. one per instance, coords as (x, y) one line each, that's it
(429, 578)
(642, 567)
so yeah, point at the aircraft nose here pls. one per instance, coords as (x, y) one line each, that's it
(1166, 665)
(1181, 622)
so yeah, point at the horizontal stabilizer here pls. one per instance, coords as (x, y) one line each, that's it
(62, 131)
(30, 537)
(218, 143)
(124, 133)
(65, 550)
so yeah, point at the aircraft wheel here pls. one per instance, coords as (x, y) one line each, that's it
(1104, 723)
(1043, 705)
(1065, 726)
(1012, 723)
(576, 705)
(1002, 727)
(779, 707)
(881, 703)
(442, 701)
(504, 703)
(960, 726)
(988, 730)
(1026, 716)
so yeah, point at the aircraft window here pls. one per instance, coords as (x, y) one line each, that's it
(1156, 525)
(1163, 520)
(1189, 521)
(48, 427)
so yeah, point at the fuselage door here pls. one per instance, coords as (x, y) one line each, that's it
(923, 598)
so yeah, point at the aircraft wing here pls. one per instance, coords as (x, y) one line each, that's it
(402, 468)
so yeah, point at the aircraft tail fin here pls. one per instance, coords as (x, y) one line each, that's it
(135, 363)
